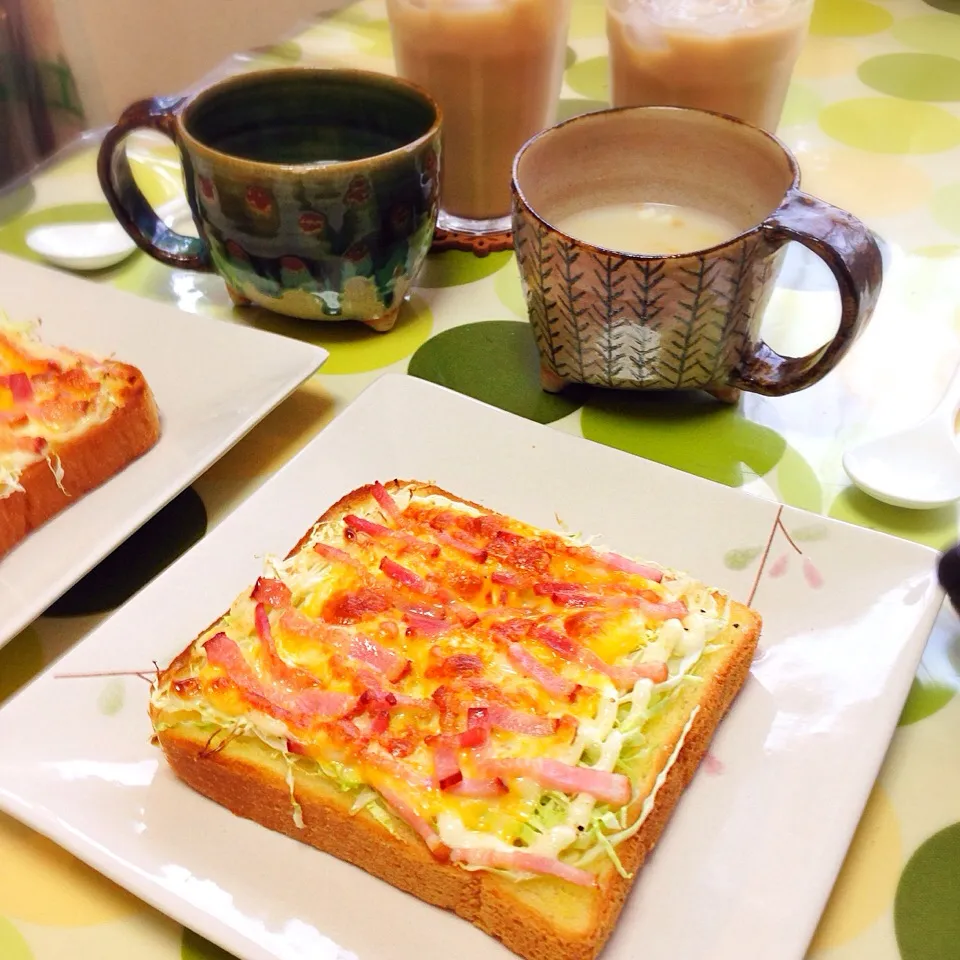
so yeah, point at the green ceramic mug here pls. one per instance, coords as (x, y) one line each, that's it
(314, 191)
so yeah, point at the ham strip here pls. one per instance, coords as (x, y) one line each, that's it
(478, 729)
(11, 442)
(358, 647)
(446, 764)
(274, 593)
(293, 621)
(223, 652)
(416, 823)
(477, 553)
(387, 504)
(335, 555)
(546, 588)
(657, 610)
(484, 788)
(301, 705)
(325, 703)
(405, 577)
(481, 718)
(558, 642)
(626, 565)
(396, 769)
(466, 615)
(516, 721)
(426, 626)
(311, 698)
(623, 677)
(524, 862)
(390, 664)
(573, 595)
(19, 385)
(291, 677)
(553, 775)
(372, 681)
(569, 598)
(504, 578)
(626, 676)
(379, 532)
(529, 665)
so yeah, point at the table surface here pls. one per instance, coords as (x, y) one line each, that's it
(874, 117)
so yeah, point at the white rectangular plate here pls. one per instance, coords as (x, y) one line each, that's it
(748, 859)
(212, 381)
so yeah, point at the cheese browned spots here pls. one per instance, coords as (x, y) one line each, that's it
(47, 396)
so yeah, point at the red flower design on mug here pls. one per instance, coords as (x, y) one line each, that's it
(235, 251)
(357, 252)
(294, 264)
(430, 162)
(312, 222)
(259, 199)
(206, 188)
(400, 217)
(358, 192)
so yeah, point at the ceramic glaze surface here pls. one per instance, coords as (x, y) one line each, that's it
(618, 321)
(613, 318)
(315, 192)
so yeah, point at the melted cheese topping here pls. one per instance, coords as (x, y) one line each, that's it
(445, 592)
(59, 395)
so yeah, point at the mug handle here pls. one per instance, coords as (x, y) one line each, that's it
(128, 203)
(849, 250)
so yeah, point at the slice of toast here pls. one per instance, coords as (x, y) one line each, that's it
(68, 422)
(654, 659)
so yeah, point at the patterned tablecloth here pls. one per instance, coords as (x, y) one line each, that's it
(874, 117)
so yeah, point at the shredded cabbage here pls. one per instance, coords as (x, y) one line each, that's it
(363, 798)
(380, 814)
(56, 468)
(291, 783)
(9, 483)
(608, 849)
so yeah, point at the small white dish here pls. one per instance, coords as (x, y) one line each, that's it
(917, 468)
(212, 381)
(749, 856)
(94, 246)
(81, 246)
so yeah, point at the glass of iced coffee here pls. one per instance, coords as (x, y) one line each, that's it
(495, 67)
(730, 56)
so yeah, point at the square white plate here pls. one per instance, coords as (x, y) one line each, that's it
(212, 381)
(749, 857)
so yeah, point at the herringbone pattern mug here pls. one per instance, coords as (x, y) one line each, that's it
(619, 319)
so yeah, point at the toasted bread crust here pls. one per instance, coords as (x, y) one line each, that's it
(88, 460)
(525, 915)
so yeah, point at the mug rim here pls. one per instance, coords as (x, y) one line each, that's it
(360, 77)
(792, 162)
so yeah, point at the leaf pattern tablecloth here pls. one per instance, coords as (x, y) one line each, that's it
(874, 117)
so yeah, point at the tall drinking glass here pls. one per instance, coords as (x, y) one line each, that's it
(729, 56)
(495, 67)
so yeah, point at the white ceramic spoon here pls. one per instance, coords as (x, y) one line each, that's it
(94, 246)
(917, 468)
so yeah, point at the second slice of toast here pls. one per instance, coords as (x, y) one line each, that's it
(68, 423)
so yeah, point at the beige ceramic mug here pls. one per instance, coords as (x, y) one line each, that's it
(613, 318)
